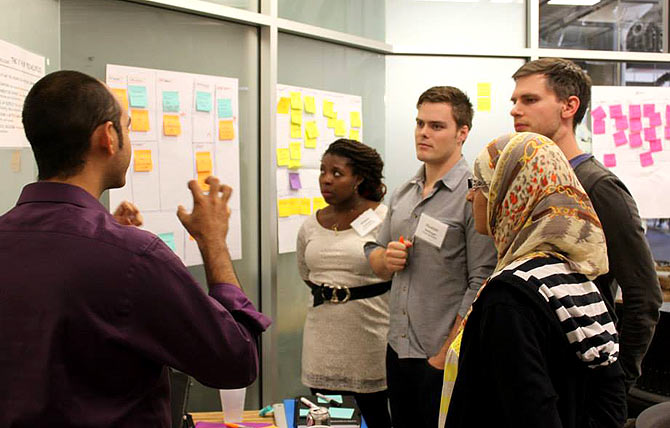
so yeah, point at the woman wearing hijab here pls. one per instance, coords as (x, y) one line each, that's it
(539, 348)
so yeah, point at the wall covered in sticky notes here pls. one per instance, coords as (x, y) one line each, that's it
(183, 127)
(308, 120)
(631, 136)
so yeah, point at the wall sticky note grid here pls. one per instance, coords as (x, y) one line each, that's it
(311, 130)
(649, 109)
(609, 160)
(620, 138)
(310, 143)
(655, 146)
(203, 162)
(310, 105)
(121, 95)
(296, 117)
(483, 89)
(634, 111)
(635, 125)
(355, 119)
(340, 128)
(224, 108)
(203, 101)
(319, 203)
(294, 180)
(598, 113)
(139, 120)
(649, 134)
(143, 161)
(226, 130)
(296, 131)
(168, 238)
(667, 132)
(138, 96)
(635, 140)
(171, 125)
(295, 150)
(283, 157)
(171, 101)
(621, 123)
(296, 101)
(354, 135)
(328, 109)
(283, 105)
(304, 206)
(598, 126)
(655, 119)
(615, 110)
(646, 159)
(483, 103)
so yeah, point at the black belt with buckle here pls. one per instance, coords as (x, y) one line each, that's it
(342, 294)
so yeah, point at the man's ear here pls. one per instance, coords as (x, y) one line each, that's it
(104, 138)
(462, 133)
(570, 107)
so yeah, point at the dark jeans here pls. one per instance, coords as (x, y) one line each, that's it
(373, 405)
(415, 388)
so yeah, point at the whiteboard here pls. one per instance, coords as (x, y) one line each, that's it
(333, 115)
(631, 133)
(183, 126)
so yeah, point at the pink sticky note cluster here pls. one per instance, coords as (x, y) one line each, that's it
(621, 123)
(598, 113)
(649, 134)
(655, 119)
(667, 114)
(615, 110)
(649, 109)
(655, 146)
(620, 138)
(609, 160)
(598, 126)
(635, 125)
(667, 132)
(634, 111)
(646, 159)
(635, 140)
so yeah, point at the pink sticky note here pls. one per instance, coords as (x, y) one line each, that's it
(635, 140)
(598, 113)
(294, 179)
(609, 160)
(667, 132)
(655, 146)
(599, 126)
(667, 114)
(649, 109)
(635, 125)
(615, 110)
(649, 134)
(646, 159)
(634, 111)
(620, 138)
(621, 123)
(655, 119)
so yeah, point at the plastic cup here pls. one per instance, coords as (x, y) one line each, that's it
(232, 404)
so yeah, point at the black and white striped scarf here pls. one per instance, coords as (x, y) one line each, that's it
(576, 302)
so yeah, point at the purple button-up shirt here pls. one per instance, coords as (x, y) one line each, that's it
(92, 312)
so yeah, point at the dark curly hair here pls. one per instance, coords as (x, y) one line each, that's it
(366, 163)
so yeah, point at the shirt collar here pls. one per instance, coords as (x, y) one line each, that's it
(574, 162)
(450, 180)
(47, 191)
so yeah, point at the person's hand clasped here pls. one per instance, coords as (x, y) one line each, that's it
(208, 222)
(128, 214)
(395, 256)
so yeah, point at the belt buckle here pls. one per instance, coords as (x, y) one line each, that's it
(334, 298)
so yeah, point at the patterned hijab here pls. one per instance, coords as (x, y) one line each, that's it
(537, 205)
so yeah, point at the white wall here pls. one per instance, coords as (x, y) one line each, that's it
(408, 76)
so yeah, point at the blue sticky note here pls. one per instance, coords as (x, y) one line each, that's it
(337, 398)
(171, 101)
(168, 238)
(341, 412)
(303, 412)
(225, 108)
(138, 96)
(203, 101)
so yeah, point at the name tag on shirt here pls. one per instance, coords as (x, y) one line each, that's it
(366, 222)
(431, 230)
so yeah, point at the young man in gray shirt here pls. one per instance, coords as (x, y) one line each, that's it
(429, 247)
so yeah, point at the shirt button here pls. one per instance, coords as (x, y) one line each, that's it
(404, 312)
(404, 336)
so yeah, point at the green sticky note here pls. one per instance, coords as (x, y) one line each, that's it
(337, 398)
(203, 101)
(224, 108)
(168, 238)
(341, 412)
(303, 413)
(138, 96)
(171, 101)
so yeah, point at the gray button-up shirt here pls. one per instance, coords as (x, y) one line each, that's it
(437, 284)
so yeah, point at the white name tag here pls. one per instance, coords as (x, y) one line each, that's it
(366, 222)
(431, 230)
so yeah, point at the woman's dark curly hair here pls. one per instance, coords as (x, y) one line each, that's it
(365, 163)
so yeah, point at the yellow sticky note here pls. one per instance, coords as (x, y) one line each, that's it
(354, 135)
(296, 131)
(296, 117)
(310, 105)
(139, 120)
(310, 143)
(331, 123)
(483, 103)
(226, 130)
(283, 105)
(121, 95)
(483, 89)
(311, 129)
(294, 149)
(294, 163)
(202, 176)
(296, 101)
(171, 125)
(340, 128)
(283, 156)
(284, 207)
(328, 109)
(143, 161)
(319, 203)
(355, 119)
(203, 162)
(305, 206)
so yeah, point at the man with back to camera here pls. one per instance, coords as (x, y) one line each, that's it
(550, 98)
(92, 311)
(439, 268)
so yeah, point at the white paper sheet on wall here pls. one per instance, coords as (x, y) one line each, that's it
(177, 136)
(308, 120)
(631, 136)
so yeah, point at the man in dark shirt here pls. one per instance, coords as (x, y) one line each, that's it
(550, 98)
(92, 309)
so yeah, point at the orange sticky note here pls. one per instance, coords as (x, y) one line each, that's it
(203, 162)
(143, 161)
(296, 131)
(319, 203)
(202, 176)
(296, 101)
(355, 119)
(226, 130)
(310, 105)
(121, 95)
(328, 109)
(171, 125)
(283, 157)
(139, 120)
(283, 105)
